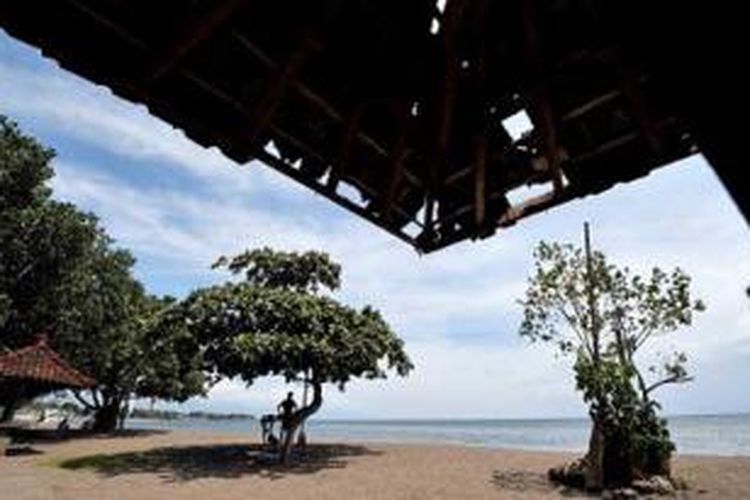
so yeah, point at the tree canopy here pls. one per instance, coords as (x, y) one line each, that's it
(276, 322)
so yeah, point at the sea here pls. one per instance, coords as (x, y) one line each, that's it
(727, 435)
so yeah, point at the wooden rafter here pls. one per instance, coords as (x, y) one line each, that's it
(319, 102)
(237, 96)
(279, 132)
(631, 89)
(480, 137)
(351, 126)
(397, 161)
(449, 28)
(195, 31)
(619, 141)
(277, 85)
(541, 104)
(285, 169)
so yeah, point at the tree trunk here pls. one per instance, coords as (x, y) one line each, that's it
(107, 415)
(298, 418)
(595, 459)
(618, 462)
(8, 411)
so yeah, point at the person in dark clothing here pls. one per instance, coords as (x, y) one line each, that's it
(286, 411)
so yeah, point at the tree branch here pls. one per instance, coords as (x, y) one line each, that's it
(571, 319)
(677, 379)
(80, 398)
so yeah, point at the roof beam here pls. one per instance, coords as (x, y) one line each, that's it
(195, 31)
(277, 85)
(286, 169)
(541, 104)
(345, 148)
(399, 154)
(319, 102)
(480, 137)
(449, 28)
(631, 89)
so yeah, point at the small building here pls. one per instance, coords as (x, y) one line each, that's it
(35, 370)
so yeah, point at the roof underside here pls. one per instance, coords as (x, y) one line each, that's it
(399, 101)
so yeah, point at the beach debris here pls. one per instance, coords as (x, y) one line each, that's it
(620, 494)
(654, 485)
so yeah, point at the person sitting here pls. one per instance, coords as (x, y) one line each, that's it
(266, 427)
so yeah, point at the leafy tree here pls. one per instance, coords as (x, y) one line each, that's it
(105, 327)
(603, 316)
(276, 322)
(41, 240)
(60, 274)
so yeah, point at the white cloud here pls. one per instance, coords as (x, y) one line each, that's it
(92, 114)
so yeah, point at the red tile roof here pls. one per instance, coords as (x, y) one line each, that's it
(38, 362)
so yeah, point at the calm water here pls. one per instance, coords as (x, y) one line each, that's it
(715, 435)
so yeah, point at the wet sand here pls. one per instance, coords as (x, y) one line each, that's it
(205, 465)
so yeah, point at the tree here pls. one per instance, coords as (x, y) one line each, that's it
(41, 240)
(277, 322)
(106, 328)
(603, 316)
(60, 274)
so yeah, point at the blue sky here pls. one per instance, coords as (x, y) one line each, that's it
(178, 206)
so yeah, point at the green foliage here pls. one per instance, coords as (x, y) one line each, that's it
(41, 241)
(265, 267)
(602, 315)
(24, 168)
(60, 274)
(275, 324)
(251, 331)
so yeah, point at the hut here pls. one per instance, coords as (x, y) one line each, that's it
(32, 371)
(407, 113)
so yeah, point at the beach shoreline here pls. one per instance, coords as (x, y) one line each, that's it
(191, 464)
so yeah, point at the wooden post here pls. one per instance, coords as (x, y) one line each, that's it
(594, 474)
(590, 293)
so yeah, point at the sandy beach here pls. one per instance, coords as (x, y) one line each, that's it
(182, 464)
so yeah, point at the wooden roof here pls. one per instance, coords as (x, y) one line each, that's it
(40, 365)
(404, 104)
